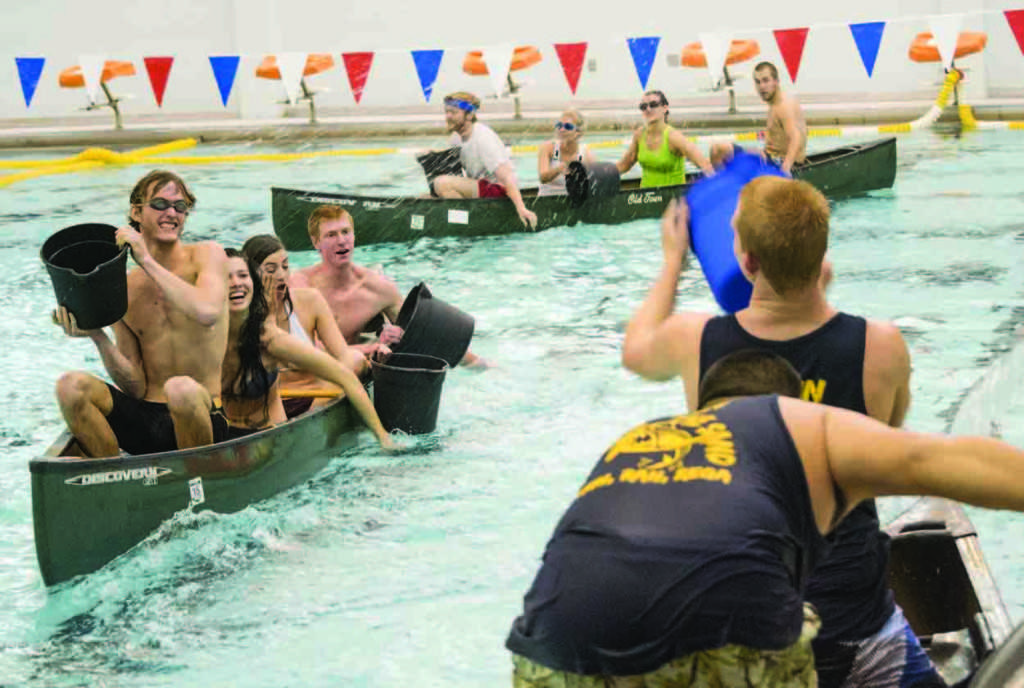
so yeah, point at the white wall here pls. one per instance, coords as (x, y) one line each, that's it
(192, 30)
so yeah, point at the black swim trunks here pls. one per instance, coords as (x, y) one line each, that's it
(145, 427)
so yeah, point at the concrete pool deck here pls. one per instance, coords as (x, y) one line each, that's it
(97, 129)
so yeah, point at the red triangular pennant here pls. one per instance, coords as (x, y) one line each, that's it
(571, 56)
(357, 65)
(158, 68)
(791, 45)
(1015, 18)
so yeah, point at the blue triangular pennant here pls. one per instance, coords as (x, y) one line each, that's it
(427, 62)
(29, 70)
(224, 69)
(643, 51)
(868, 36)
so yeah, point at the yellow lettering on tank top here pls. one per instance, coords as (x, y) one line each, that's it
(813, 390)
(658, 453)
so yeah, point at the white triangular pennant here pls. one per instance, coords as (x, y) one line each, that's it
(498, 59)
(291, 66)
(945, 32)
(716, 49)
(92, 71)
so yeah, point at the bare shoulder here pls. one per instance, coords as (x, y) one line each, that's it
(207, 254)
(377, 282)
(303, 278)
(886, 357)
(307, 299)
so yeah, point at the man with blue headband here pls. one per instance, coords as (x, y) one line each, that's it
(485, 159)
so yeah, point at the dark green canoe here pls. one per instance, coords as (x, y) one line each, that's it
(838, 172)
(86, 512)
(940, 579)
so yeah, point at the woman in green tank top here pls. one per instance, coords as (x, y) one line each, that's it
(660, 148)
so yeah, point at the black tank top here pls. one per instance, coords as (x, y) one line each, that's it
(691, 533)
(850, 588)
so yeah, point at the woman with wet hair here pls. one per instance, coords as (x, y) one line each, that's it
(661, 149)
(554, 156)
(257, 350)
(302, 312)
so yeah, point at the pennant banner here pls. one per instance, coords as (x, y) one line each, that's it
(92, 69)
(225, 67)
(357, 66)
(498, 59)
(29, 71)
(945, 31)
(291, 66)
(571, 55)
(868, 37)
(643, 51)
(1015, 18)
(158, 68)
(791, 45)
(715, 48)
(427, 62)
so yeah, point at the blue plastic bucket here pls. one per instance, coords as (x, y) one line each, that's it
(712, 202)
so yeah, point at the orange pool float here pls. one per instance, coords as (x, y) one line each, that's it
(315, 63)
(523, 57)
(739, 51)
(924, 49)
(72, 76)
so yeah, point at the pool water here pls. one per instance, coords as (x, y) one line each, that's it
(394, 570)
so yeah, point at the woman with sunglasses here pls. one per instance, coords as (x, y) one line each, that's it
(257, 350)
(660, 148)
(303, 313)
(554, 156)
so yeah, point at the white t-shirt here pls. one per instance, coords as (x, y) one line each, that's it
(482, 153)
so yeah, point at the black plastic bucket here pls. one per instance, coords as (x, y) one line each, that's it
(584, 182)
(437, 163)
(88, 272)
(433, 327)
(407, 391)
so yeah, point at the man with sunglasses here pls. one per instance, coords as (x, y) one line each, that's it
(166, 357)
(660, 148)
(485, 159)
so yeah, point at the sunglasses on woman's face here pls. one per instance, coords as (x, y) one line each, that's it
(568, 126)
(162, 204)
(649, 104)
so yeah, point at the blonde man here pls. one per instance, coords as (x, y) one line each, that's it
(781, 235)
(485, 159)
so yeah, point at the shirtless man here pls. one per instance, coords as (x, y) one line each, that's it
(166, 361)
(785, 139)
(489, 169)
(781, 233)
(356, 295)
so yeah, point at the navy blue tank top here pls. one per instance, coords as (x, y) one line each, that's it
(850, 588)
(691, 533)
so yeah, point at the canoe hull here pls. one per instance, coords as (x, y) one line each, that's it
(940, 579)
(86, 512)
(839, 172)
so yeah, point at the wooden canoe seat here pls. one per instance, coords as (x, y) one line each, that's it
(315, 63)
(523, 57)
(72, 77)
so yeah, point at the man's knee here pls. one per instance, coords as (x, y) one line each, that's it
(75, 389)
(185, 396)
(443, 185)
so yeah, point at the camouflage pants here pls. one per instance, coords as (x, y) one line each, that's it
(732, 666)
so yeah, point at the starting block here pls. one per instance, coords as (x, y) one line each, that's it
(72, 77)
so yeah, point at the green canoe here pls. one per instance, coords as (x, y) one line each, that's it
(838, 172)
(86, 512)
(940, 579)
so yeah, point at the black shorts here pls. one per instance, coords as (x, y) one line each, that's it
(145, 427)
(296, 406)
